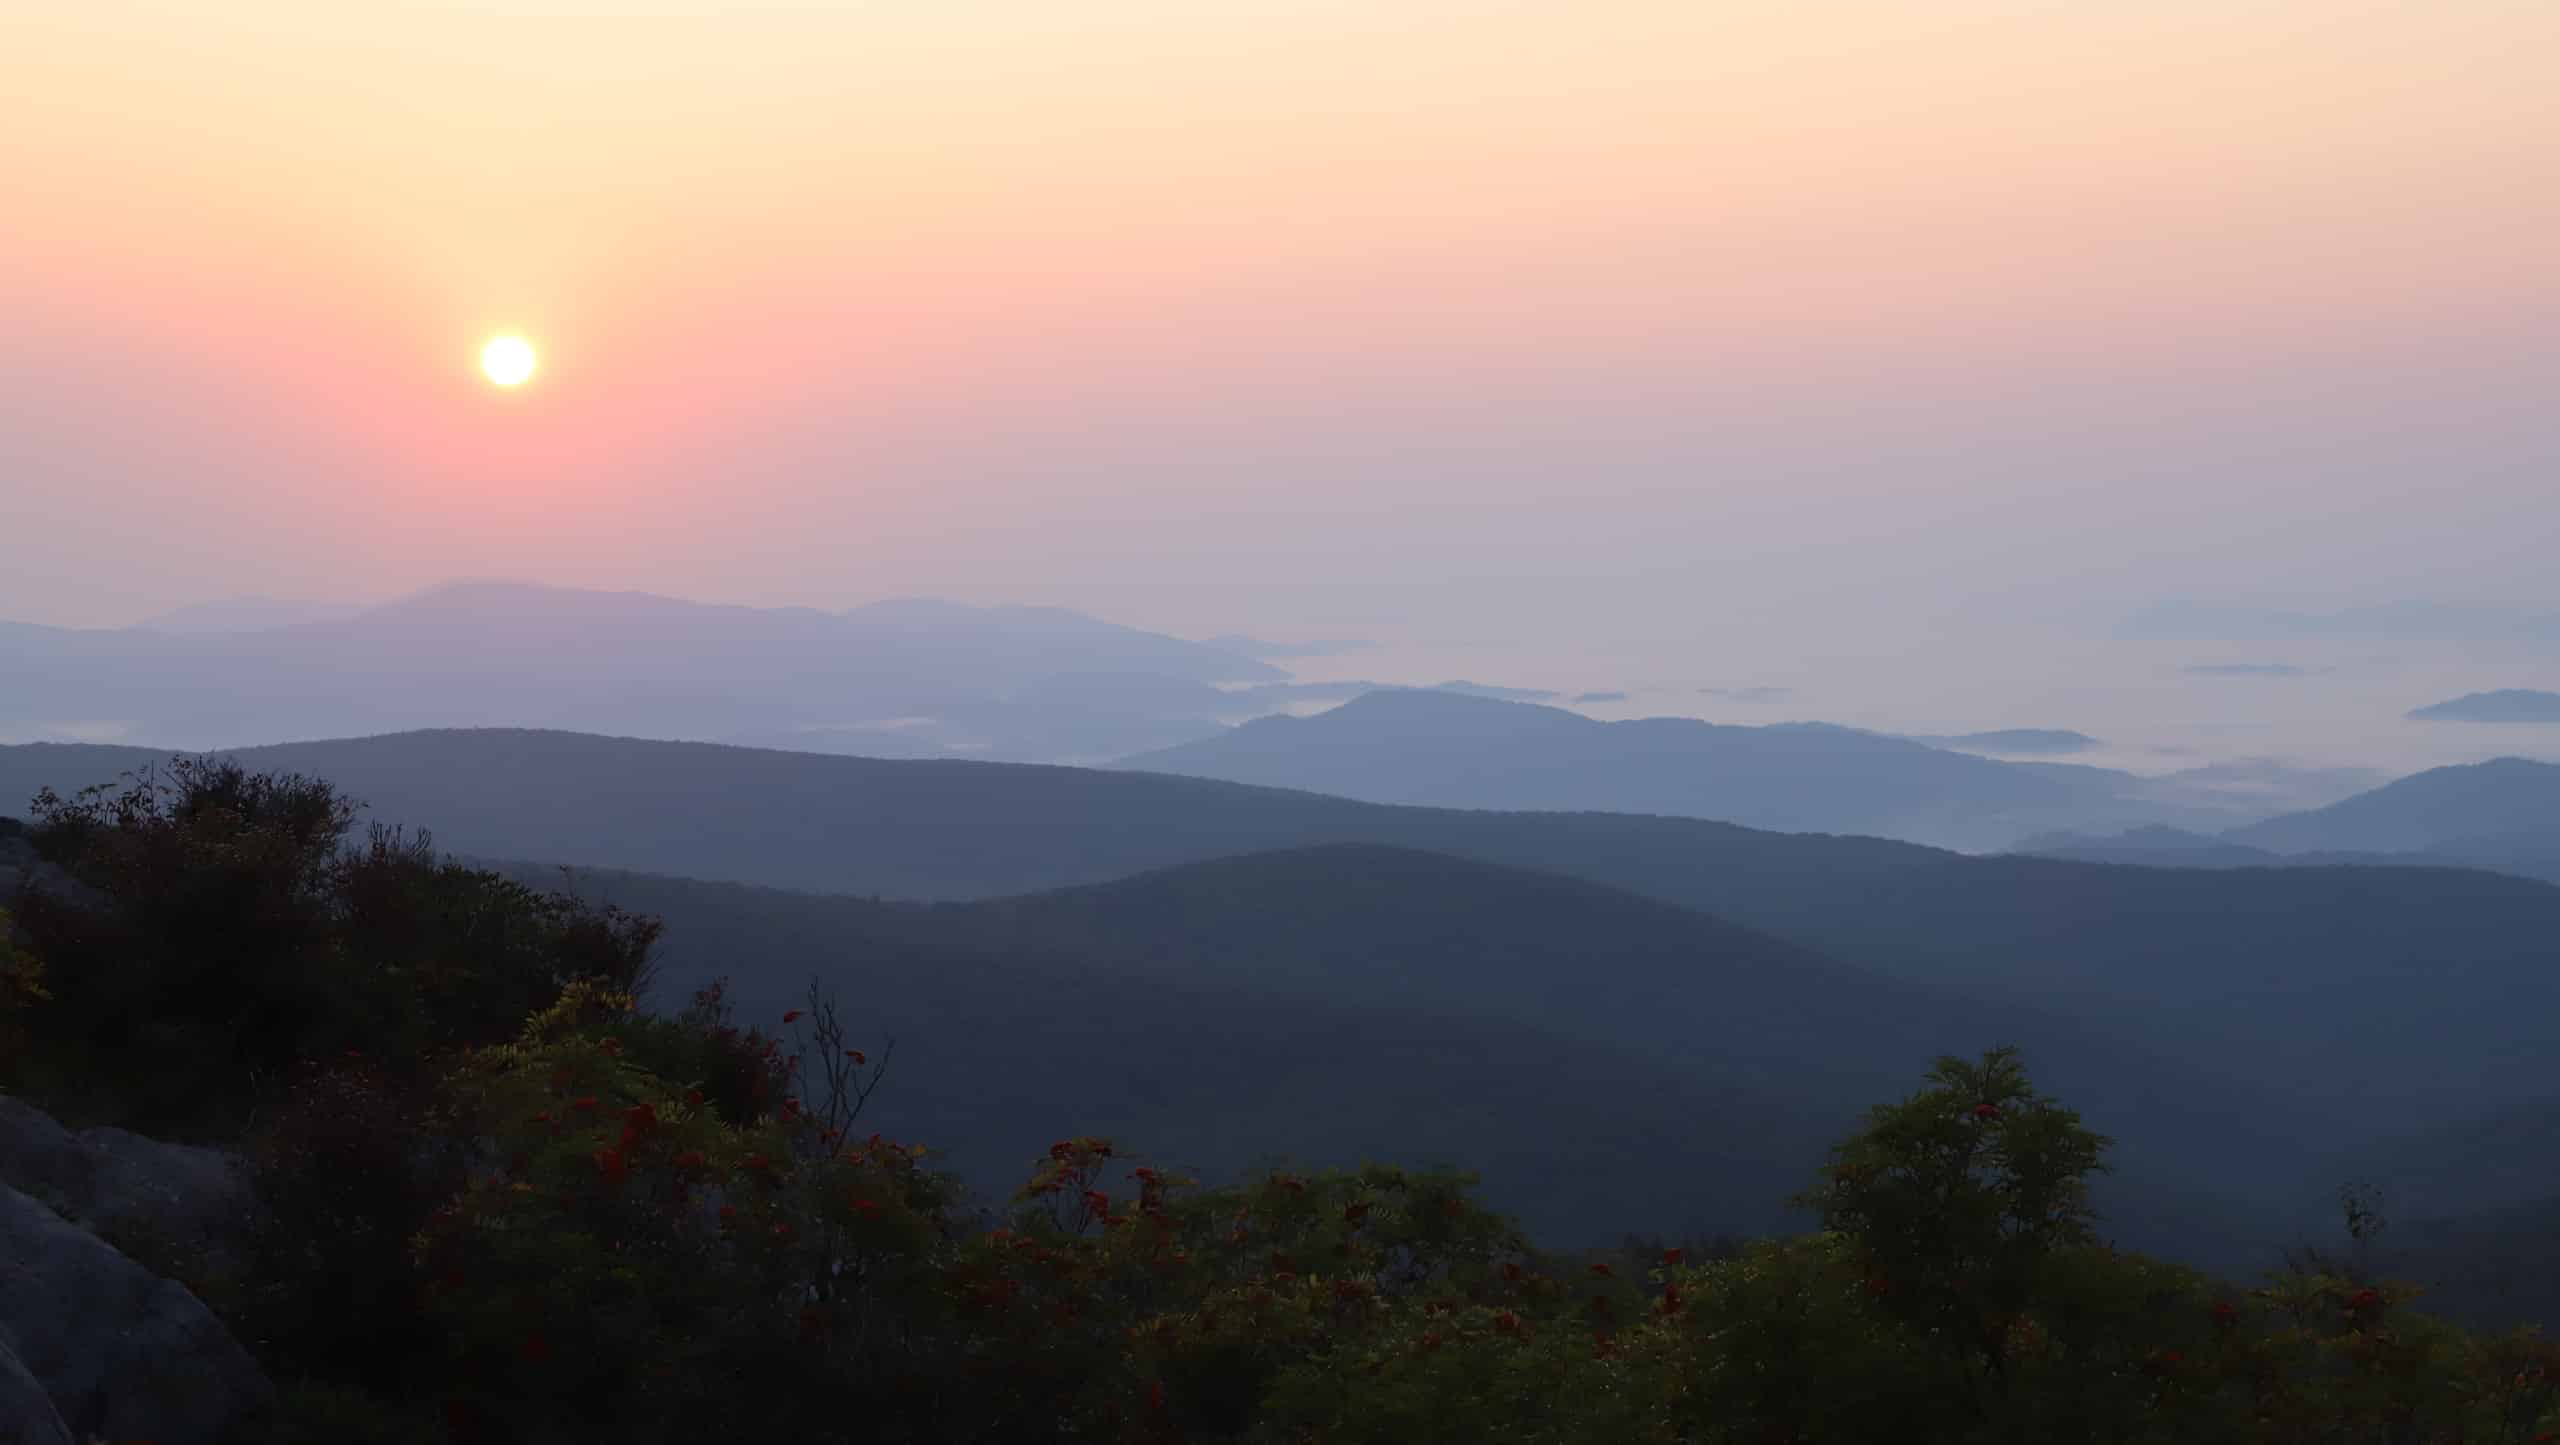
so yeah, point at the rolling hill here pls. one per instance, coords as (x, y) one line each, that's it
(2456, 808)
(2151, 847)
(2507, 705)
(2501, 816)
(2415, 991)
(506, 654)
(923, 829)
(1580, 1047)
(1432, 749)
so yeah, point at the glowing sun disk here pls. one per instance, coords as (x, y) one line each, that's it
(507, 360)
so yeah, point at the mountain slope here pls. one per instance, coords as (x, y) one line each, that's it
(946, 829)
(1435, 749)
(2534, 856)
(2501, 816)
(928, 829)
(503, 654)
(2461, 809)
(2507, 705)
(2417, 991)
(1582, 1047)
(2150, 847)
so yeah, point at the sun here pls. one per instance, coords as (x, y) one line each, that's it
(507, 360)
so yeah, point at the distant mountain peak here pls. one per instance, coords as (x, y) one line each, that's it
(2505, 705)
(502, 651)
(2500, 798)
(1446, 704)
(1427, 746)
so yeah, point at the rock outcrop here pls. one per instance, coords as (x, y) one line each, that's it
(122, 1353)
(93, 1344)
(119, 1183)
(27, 1416)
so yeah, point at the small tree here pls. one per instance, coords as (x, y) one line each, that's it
(830, 1078)
(1959, 1201)
(216, 936)
(625, 1262)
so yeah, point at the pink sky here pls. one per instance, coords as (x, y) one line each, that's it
(1260, 313)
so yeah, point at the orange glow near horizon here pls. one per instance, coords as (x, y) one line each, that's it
(871, 272)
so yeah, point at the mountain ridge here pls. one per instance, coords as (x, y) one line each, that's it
(1435, 750)
(2198, 962)
(514, 654)
(1599, 989)
(2500, 797)
(2505, 705)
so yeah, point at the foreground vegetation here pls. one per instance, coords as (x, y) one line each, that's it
(498, 1201)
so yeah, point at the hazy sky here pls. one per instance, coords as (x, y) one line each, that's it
(1653, 316)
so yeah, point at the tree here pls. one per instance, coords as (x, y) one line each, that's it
(216, 935)
(1963, 1204)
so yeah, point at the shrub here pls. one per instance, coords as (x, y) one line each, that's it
(217, 937)
(21, 988)
(502, 1203)
(622, 1260)
(347, 1168)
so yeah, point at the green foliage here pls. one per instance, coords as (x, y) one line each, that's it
(590, 1222)
(21, 988)
(740, 1072)
(1966, 1204)
(623, 1260)
(218, 937)
(346, 1165)
(1167, 1308)
(614, 1258)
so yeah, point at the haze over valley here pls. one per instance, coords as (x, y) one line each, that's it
(1279, 722)
(921, 679)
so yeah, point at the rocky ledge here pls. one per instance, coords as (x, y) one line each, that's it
(92, 1344)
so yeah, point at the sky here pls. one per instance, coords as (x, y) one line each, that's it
(1705, 336)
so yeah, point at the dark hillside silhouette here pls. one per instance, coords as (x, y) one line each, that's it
(2419, 992)
(670, 1223)
(1426, 1007)
(2196, 957)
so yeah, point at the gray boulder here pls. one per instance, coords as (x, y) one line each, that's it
(190, 1200)
(121, 1353)
(27, 1416)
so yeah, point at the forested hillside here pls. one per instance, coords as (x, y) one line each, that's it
(666, 1225)
(488, 1199)
(1431, 1007)
(2415, 992)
